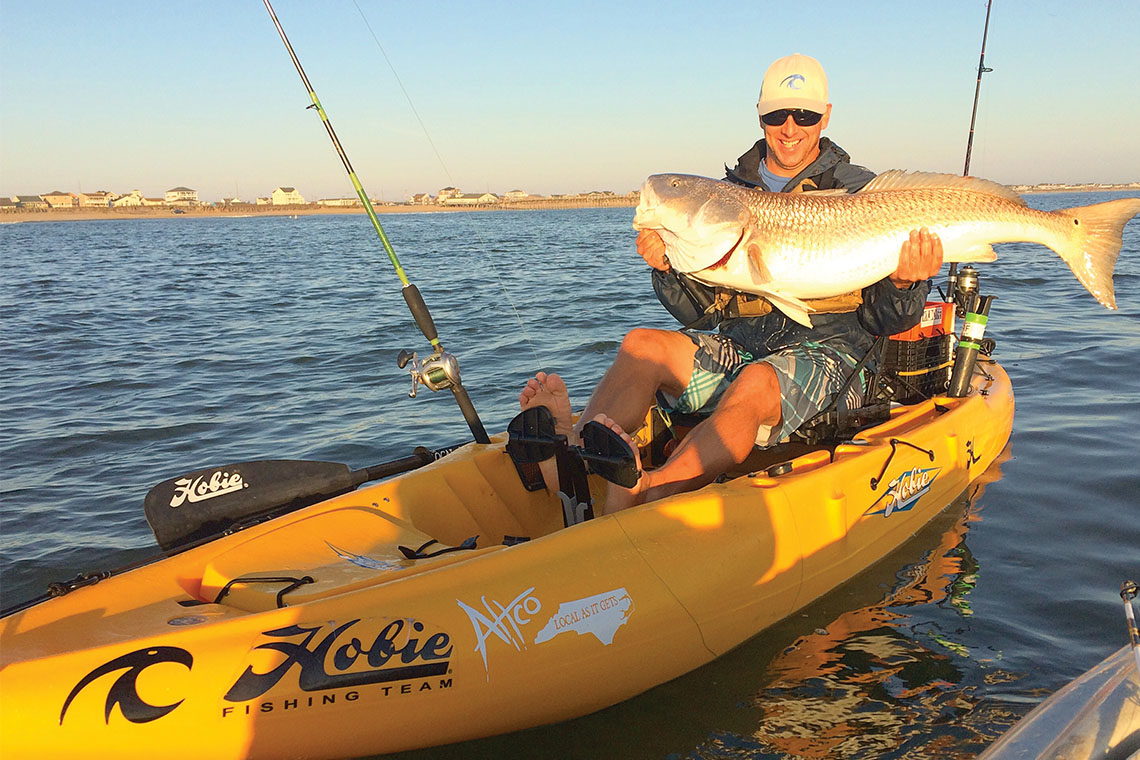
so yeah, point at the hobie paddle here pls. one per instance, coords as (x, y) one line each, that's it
(209, 502)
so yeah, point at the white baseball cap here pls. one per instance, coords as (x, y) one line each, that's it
(794, 81)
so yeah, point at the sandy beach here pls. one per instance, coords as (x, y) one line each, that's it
(200, 212)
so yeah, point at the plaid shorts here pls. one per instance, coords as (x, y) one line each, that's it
(809, 373)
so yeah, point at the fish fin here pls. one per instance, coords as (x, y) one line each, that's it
(897, 179)
(793, 308)
(978, 252)
(1094, 245)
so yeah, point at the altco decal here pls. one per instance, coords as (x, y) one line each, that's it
(600, 615)
(124, 691)
(398, 652)
(904, 491)
(502, 620)
(200, 489)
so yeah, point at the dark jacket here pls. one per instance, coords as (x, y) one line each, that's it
(885, 309)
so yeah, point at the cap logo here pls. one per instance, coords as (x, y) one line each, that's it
(793, 81)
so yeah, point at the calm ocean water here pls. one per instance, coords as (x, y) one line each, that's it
(135, 350)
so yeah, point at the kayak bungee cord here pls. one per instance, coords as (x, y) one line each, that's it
(441, 369)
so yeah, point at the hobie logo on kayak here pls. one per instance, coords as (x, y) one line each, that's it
(400, 650)
(600, 615)
(124, 691)
(202, 488)
(904, 491)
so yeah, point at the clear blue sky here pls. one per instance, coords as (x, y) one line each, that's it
(547, 96)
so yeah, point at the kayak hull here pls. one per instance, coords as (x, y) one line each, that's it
(312, 635)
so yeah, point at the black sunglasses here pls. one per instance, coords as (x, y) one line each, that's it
(800, 116)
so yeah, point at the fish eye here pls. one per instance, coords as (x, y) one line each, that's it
(674, 182)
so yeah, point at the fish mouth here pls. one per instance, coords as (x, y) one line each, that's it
(701, 226)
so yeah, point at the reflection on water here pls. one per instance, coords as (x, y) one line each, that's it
(886, 665)
(873, 680)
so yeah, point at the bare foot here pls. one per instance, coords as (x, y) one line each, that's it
(618, 498)
(550, 391)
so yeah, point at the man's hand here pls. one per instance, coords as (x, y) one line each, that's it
(920, 258)
(651, 247)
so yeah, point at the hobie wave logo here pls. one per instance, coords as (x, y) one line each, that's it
(202, 488)
(904, 491)
(124, 691)
(794, 82)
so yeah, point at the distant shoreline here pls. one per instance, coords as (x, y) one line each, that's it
(202, 212)
(1038, 189)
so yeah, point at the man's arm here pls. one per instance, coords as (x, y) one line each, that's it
(895, 303)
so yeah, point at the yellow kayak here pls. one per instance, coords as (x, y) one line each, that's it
(315, 635)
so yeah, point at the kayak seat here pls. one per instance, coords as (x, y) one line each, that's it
(479, 494)
(330, 553)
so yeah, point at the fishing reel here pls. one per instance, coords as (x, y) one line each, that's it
(438, 372)
(963, 289)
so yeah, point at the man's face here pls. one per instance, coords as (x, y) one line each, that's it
(792, 147)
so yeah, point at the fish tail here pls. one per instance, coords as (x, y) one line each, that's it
(1093, 244)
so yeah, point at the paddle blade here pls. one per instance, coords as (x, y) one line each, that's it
(207, 502)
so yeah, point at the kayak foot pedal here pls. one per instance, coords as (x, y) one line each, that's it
(531, 440)
(573, 488)
(608, 455)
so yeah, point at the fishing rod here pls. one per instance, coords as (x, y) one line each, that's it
(978, 89)
(1129, 591)
(952, 276)
(440, 370)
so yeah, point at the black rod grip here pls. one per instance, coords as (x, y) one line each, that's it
(470, 414)
(420, 312)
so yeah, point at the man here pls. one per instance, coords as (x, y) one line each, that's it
(763, 375)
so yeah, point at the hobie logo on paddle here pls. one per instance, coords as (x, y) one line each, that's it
(202, 488)
(904, 491)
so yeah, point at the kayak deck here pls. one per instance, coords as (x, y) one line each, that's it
(412, 652)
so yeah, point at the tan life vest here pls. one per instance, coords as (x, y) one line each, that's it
(733, 303)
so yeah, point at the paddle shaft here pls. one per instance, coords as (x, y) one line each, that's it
(421, 456)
